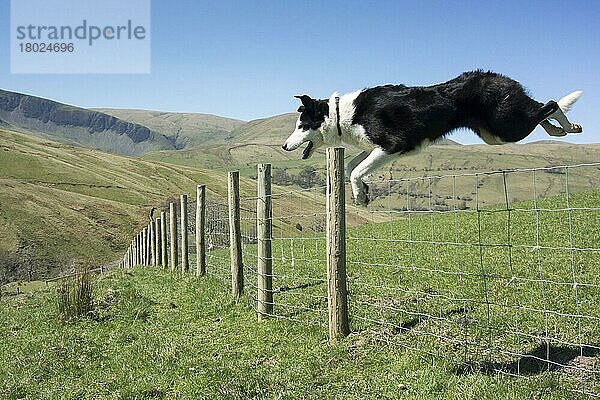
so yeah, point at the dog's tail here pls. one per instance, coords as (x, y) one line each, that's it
(566, 103)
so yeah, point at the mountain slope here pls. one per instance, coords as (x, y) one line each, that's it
(184, 129)
(60, 204)
(272, 130)
(78, 126)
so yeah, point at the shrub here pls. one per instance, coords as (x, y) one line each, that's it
(76, 297)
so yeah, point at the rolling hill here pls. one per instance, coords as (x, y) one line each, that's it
(60, 204)
(78, 126)
(185, 130)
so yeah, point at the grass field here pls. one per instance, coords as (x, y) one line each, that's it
(155, 335)
(436, 311)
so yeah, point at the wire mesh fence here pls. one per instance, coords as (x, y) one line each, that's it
(217, 240)
(507, 284)
(495, 272)
(298, 254)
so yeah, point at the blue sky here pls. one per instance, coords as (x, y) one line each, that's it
(247, 59)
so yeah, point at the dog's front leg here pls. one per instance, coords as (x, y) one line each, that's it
(377, 158)
(354, 162)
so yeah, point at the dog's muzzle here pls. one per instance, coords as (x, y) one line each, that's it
(307, 151)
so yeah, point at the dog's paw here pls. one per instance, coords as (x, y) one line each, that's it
(576, 128)
(362, 197)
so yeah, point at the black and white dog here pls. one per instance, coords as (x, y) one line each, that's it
(391, 120)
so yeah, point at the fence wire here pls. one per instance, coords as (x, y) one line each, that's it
(217, 240)
(493, 271)
(298, 254)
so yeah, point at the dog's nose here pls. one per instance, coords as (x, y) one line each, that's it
(284, 146)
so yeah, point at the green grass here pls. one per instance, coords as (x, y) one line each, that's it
(162, 335)
(429, 320)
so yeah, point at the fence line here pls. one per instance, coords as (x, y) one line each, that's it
(492, 271)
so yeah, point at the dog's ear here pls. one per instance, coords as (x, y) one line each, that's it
(324, 107)
(305, 99)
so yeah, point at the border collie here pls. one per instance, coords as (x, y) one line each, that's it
(392, 120)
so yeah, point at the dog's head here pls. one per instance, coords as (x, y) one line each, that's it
(312, 116)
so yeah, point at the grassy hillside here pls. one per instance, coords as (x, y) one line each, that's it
(266, 130)
(78, 126)
(432, 161)
(184, 129)
(453, 160)
(63, 203)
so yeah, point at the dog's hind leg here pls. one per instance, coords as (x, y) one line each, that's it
(560, 117)
(557, 112)
(551, 129)
(377, 158)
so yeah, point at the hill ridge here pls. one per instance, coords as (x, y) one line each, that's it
(76, 125)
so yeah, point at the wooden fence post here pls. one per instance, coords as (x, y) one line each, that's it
(200, 222)
(148, 250)
(152, 243)
(147, 243)
(163, 239)
(235, 235)
(264, 233)
(145, 246)
(336, 246)
(132, 253)
(185, 266)
(157, 247)
(173, 232)
(138, 249)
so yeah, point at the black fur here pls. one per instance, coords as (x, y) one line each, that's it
(398, 118)
(312, 112)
